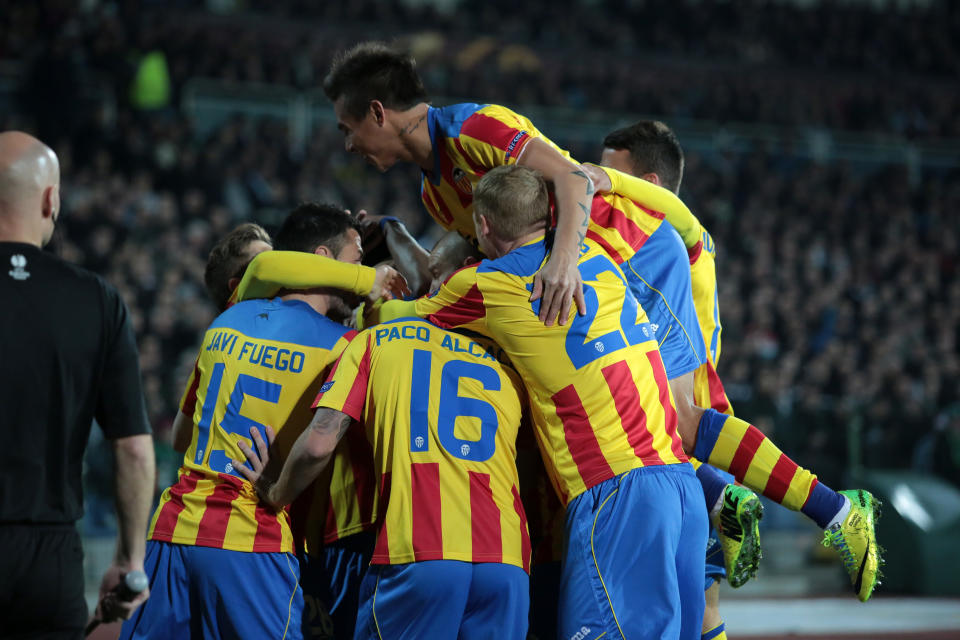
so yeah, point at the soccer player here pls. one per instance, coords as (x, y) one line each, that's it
(442, 414)
(219, 563)
(381, 108)
(332, 560)
(229, 258)
(603, 414)
(379, 103)
(650, 150)
(733, 510)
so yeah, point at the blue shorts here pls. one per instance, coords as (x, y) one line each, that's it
(633, 557)
(659, 276)
(202, 592)
(331, 586)
(440, 599)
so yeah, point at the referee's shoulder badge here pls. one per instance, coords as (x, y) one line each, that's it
(19, 263)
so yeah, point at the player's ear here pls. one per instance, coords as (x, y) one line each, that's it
(233, 283)
(324, 251)
(652, 177)
(469, 260)
(378, 112)
(482, 225)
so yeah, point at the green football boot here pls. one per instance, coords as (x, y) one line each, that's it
(856, 541)
(738, 531)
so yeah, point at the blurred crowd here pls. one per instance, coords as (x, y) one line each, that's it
(839, 287)
(858, 66)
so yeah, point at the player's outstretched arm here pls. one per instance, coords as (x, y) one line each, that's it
(309, 456)
(559, 282)
(648, 195)
(134, 483)
(388, 284)
(412, 260)
(271, 271)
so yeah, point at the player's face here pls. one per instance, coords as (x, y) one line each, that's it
(479, 228)
(352, 250)
(342, 302)
(365, 137)
(618, 159)
(440, 270)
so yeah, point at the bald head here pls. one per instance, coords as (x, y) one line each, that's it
(29, 189)
(450, 253)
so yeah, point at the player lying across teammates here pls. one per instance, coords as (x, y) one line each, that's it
(620, 425)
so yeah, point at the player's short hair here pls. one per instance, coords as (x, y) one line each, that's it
(452, 250)
(373, 71)
(653, 148)
(513, 199)
(311, 225)
(228, 259)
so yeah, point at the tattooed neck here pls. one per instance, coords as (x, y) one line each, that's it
(412, 126)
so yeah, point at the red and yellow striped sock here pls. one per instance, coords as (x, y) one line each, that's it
(719, 632)
(730, 443)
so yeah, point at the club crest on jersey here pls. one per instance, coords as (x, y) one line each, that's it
(462, 181)
(18, 262)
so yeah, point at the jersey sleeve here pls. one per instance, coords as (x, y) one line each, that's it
(496, 136)
(188, 401)
(271, 271)
(121, 410)
(345, 389)
(457, 304)
(656, 197)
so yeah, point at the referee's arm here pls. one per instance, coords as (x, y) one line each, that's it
(121, 413)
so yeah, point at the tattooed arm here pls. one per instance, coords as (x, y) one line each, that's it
(309, 456)
(559, 280)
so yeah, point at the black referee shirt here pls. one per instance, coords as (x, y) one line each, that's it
(67, 355)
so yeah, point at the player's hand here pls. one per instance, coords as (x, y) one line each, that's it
(388, 284)
(113, 604)
(365, 218)
(258, 459)
(371, 233)
(558, 282)
(601, 181)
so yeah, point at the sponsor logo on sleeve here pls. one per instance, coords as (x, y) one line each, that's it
(516, 140)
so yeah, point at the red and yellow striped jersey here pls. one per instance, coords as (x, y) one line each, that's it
(442, 415)
(261, 363)
(599, 396)
(708, 390)
(342, 501)
(469, 140)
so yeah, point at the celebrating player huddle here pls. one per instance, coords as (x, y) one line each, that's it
(344, 484)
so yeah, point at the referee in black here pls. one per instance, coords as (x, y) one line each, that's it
(67, 356)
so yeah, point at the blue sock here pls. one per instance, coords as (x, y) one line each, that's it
(822, 505)
(711, 422)
(714, 482)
